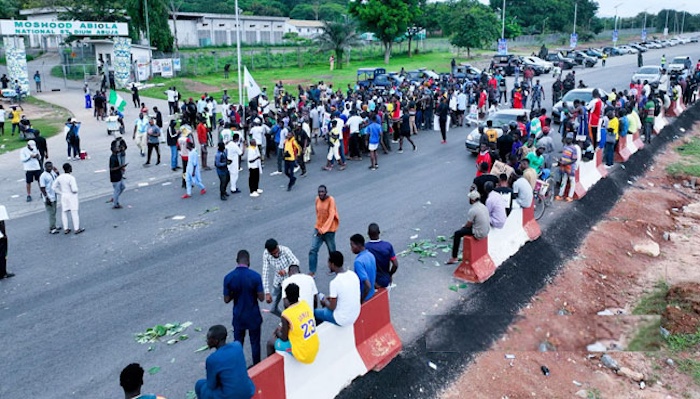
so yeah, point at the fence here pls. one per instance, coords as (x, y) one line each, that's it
(208, 62)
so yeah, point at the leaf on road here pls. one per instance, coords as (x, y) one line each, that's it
(154, 334)
(153, 370)
(202, 349)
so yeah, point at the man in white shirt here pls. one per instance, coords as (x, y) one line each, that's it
(171, 93)
(32, 168)
(342, 306)
(461, 107)
(49, 195)
(234, 152)
(354, 123)
(307, 286)
(522, 190)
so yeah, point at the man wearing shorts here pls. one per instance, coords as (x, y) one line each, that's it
(374, 130)
(32, 168)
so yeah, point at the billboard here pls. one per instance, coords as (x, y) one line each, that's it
(10, 27)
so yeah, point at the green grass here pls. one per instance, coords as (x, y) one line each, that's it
(689, 165)
(292, 76)
(684, 342)
(690, 367)
(648, 338)
(654, 302)
(49, 125)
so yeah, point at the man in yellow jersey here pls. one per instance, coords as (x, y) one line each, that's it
(298, 332)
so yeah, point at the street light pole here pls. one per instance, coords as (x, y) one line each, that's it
(148, 38)
(575, 12)
(666, 26)
(503, 20)
(683, 23)
(238, 59)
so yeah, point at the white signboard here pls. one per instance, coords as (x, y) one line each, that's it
(76, 28)
(176, 64)
(156, 66)
(166, 68)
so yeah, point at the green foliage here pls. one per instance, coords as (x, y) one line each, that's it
(482, 23)
(648, 338)
(50, 124)
(684, 342)
(304, 11)
(9, 9)
(654, 302)
(387, 19)
(560, 13)
(690, 367)
(337, 37)
(513, 29)
(160, 35)
(689, 164)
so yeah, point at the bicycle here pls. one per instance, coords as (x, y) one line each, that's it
(543, 196)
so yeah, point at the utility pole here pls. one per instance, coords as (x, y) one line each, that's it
(503, 20)
(148, 38)
(666, 26)
(683, 23)
(575, 12)
(238, 59)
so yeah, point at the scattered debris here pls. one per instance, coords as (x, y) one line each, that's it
(578, 384)
(664, 332)
(545, 370)
(546, 346)
(612, 312)
(670, 362)
(596, 347)
(642, 385)
(153, 370)
(631, 374)
(154, 334)
(432, 365)
(650, 248)
(509, 356)
(609, 362)
(202, 349)
(582, 394)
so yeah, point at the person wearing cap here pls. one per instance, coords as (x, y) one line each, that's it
(567, 168)
(478, 224)
(66, 186)
(30, 156)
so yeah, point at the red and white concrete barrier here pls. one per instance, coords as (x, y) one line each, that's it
(345, 353)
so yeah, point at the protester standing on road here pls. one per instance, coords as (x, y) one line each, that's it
(327, 221)
(135, 98)
(478, 224)
(221, 164)
(234, 152)
(140, 129)
(640, 60)
(37, 81)
(120, 145)
(254, 166)
(153, 136)
(29, 156)
(227, 375)
(245, 288)
(291, 151)
(385, 258)
(49, 195)
(66, 186)
(3, 245)
(171, 140)
(192, 173)
(443, 111)
(116, 177)
(276, 261)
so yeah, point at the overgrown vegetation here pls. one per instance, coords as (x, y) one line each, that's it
(648, 338)
(654, 302)
(684, 342)
(690, 367)
(689, 164)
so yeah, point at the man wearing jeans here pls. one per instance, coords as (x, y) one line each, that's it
(342, 305)
(326, 225)
(116, 177)
(276, 260)
(478, 224)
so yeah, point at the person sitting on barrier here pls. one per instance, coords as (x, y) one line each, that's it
(478, 224)
(131, 380)
(384, 256)
(482, 178)
(505, 191)
(528, 173)
(496, 206)
(342, 306)
(365, 267)
(567, 168)
(307, 286)
(523, 192)
(227, 375)
(297, 335)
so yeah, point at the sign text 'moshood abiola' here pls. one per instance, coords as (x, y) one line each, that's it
(77, 28)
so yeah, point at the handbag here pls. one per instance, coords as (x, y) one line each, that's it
(307, 154)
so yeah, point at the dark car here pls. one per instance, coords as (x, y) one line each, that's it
(538, 69)
(466, 71)
(366, 76)
(611, 51)
(385, 80)
(581, 58)
(506, 62)
(556, 58)
(593, 53)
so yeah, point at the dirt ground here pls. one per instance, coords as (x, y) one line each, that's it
(606, 273)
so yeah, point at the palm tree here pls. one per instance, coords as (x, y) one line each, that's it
(337, 37)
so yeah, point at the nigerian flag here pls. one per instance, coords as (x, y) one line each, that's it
(116, 100)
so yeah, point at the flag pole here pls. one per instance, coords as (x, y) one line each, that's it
(238, 60)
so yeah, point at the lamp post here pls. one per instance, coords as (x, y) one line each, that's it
(683, 23)
(238, 60)
(666, 26)
(544, 24)
(575, 14)
(503, 20)
(615, 28)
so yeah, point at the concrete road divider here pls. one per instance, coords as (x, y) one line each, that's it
(638, 142)
(598, 156)
(625, 148)
(660, 121)
(480, 258)
(345, 353)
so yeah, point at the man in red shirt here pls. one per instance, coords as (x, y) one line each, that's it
(518, 98)
(202, 138)
(595, 108)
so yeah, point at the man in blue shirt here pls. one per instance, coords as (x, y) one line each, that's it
(245, 288)
(365, 267)
(384, 255)
(131, 380)
(227, 375)
(374, 130)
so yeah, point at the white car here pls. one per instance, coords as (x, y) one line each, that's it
(547, 66)
(624, 49)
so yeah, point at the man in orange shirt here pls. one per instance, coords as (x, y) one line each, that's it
(326, 225)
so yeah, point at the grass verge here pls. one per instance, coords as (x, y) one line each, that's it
(689, 164)
(648, 338)
(690, 367)
(654, 302)
(50, 123)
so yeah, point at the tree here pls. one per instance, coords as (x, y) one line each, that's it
(331, 12)
(560, 13)
(387, 19)
(337, 37)
(174, 7)
(481, 22)
(9, 8)
(157, 26)
(304, 11)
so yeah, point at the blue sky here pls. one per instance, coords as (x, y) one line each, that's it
(630, 8)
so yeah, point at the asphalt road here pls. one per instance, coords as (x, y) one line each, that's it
(70, 314)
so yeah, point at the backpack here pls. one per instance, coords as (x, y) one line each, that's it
(71, 135)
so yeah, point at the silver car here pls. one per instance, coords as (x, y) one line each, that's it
(650, 73)
(500, 119)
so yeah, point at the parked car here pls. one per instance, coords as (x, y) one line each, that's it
(385, 80)
(506, 62)
(500, 119)
(680, 64)
(585, 95)
(638, 47)
(611, 51)
(593, 53)
(366, 76)
(627, 49)
(650, 73)
(651, 45)
(466, 71)
(546, 65)
(581, 58)
(557, 58)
